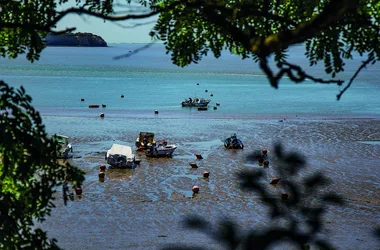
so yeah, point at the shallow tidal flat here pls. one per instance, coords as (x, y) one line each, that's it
(144, 208)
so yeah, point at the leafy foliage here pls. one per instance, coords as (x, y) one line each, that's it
(295, 217)
(29, 172)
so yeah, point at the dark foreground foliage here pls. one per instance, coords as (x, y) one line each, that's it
(29, 173)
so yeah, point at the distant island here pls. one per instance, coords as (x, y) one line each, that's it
(75, 39)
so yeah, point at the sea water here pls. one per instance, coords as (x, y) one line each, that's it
(338, 138)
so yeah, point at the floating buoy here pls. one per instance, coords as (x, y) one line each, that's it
(103, 105)
(101, 115)
(215, 108)
(102, 167)
(212, 95)
(156, 112)
(122, 96)
(206, 90)
(101, 174)
(93, 106)
(195, 189)
(217, 104)
(197, 83)
(264, 151)
(284, 196)
(199, 156)
(193, 165)
(82, 99)
(266, 164)
(78, 190)
(206, 174)
(275, 180)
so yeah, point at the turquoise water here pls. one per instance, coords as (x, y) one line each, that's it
(139, 206)
(149, 81)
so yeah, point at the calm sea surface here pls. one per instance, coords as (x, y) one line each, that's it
(143, 208)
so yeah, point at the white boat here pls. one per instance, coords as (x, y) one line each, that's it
(64, 147)
(161, 149)
(120, 156)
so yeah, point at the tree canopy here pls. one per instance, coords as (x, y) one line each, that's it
(333, 31)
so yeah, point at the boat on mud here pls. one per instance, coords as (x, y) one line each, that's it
(233, 142)
(120, 156)
(144, 141)
(63, 146)
(161, 149)
(196, 102)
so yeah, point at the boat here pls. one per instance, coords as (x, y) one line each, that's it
(233, 142)
(196, 102)
(161, 149)
(64, 147)
(144, 140)
(120, 156)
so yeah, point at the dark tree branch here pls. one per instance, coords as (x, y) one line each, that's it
(364, 64)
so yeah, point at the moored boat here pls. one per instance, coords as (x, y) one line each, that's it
(161, 149)
(233, 142)
(196, 102)
(144, 140)
(120, 156)
(63, 147)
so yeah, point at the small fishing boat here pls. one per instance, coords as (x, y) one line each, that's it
(161, 149)
(233, 142)
(144, 140)
(120, 156)
(63, 147)
(196, 102)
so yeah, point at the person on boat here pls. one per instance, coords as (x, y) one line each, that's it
(190, 100)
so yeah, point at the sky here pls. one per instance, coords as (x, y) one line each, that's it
(111, 32)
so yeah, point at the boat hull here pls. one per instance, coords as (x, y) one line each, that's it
(161, 151)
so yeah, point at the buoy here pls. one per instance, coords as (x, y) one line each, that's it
(275, 180)
(266, 164)
(215, 108)
(217, 104)
(212, 95)
(206, 174)
(284, 196)
(193, 165)
(156, 112)
(195, 189)
(264, 151)
(82, 100)
(78, 190)
(102, 167)
(197, 83)
(101, 174)
(93, 106)
(122, 96)
(199, 156)
(137, 161)
(103, 105)
(206, 90)
(101, 115)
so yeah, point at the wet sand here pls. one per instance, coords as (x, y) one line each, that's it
(143, 208)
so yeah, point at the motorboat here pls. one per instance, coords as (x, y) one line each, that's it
(196, 102)
(233, 142)
(161, 149)
(120, 156)
(63, 146)
(144, 140)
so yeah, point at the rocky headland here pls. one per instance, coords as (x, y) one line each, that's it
(75, 39)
